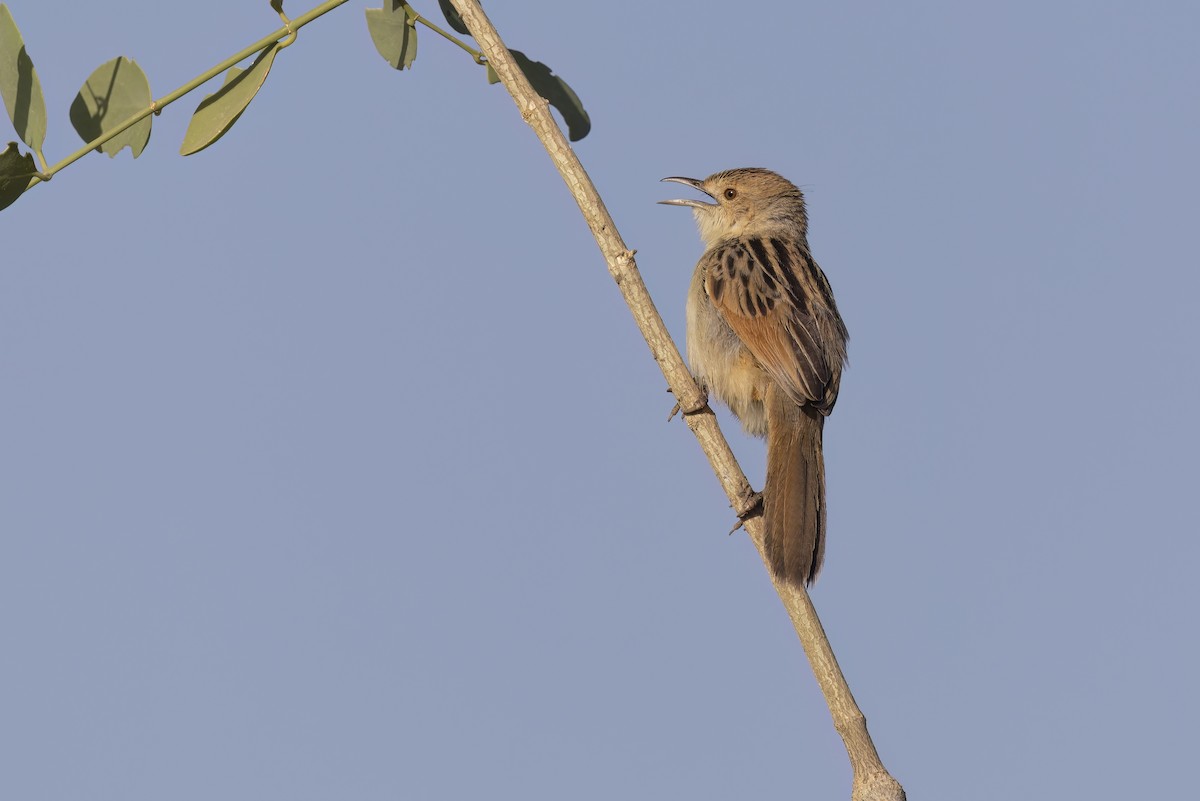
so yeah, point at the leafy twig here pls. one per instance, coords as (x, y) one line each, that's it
(157, 106)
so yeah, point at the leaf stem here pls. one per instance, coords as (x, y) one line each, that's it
(415, 16)
(158, 105)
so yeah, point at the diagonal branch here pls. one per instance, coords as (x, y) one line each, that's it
(871, 782)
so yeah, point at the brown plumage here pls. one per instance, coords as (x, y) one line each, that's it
(764, 335)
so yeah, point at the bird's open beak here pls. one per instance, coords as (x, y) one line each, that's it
(692, 182)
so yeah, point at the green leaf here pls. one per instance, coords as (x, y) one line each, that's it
(556, 91)
(116, 91)
(394, 37)
(16, 170)
(452, 16)
(217, 112)
(19, 85)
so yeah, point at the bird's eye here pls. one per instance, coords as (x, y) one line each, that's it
(730, 193)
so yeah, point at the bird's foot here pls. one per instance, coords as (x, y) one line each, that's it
(700, 404)
(751, 504)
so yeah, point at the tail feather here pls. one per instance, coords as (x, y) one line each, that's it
(794, 497)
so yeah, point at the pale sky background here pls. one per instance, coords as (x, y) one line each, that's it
(332, 465)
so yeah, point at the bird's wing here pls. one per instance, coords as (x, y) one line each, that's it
(769, 292)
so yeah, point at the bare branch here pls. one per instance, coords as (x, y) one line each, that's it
(872, 782)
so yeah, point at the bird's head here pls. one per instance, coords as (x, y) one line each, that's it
(749, 200)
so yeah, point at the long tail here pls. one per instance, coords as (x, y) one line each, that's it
(794, 498)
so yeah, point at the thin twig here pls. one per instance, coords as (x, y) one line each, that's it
(871, 782)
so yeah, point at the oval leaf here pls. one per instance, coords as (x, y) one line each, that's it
(452, 16)
(217, 112)
(394, 37)
(116, 91)
(20, 86)
(16, 171)
(557, 92)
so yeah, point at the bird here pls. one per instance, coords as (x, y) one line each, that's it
(764, 336)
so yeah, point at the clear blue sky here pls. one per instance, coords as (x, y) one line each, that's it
(333, 466)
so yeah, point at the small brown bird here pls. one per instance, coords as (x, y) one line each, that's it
(764, 335)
